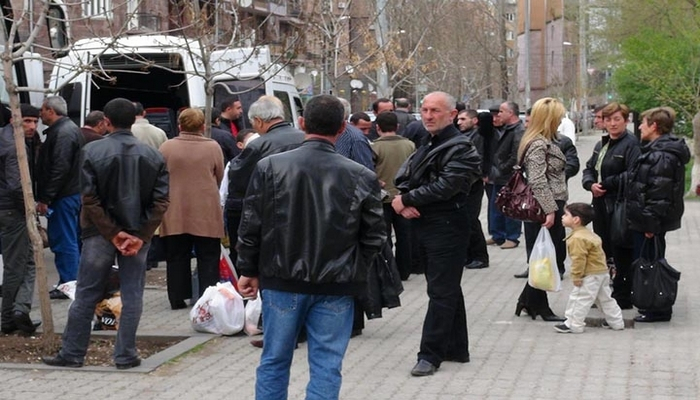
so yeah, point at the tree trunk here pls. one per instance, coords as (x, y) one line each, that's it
(695, 175)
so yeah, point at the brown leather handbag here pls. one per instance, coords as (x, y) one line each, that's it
(516, 200)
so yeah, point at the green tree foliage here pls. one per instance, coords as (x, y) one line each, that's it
(659, 56)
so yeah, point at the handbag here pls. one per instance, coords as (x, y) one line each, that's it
(655, 282)
(516, 200)
(619, 227)
(543, 272)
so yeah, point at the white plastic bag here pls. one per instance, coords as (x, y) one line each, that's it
(219, 310)
(253, 309)
(544, 273)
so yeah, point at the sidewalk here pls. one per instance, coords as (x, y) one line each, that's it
(511, 357)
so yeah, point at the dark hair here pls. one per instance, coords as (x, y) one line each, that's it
(359, 116)
(582, 210)
(243, 134)
(387, 122)
(494, 109)
(528, 111)
(470, 113)
(323, 115)
(228, 102)
(120, 112)
(599, 108)
(485, 124)
(139, 108)
(514, 108)
(459, 106)
(29, 110)
(215, 114)
(94, 118)
(375, 105)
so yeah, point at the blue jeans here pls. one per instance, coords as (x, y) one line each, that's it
(501, 227)
(95, 265)
(63, 231)
(328, 323)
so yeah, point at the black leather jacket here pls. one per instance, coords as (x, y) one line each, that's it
(439, 175)
(504, 152)
(11, 196)
(280, 137)
(656, 185)
(59, 161)
(621, 154)
(568, 148)
(312, 222)
(124, 187)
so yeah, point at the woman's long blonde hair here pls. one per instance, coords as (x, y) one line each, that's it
(545, 118)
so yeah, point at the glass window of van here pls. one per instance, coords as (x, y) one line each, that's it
(247, 90)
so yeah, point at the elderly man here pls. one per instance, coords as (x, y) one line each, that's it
(58, 190)
(311, 262)
(434, 184)
(276, 135)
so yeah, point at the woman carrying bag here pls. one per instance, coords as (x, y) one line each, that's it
(654, 192)
(544, 165)
(611, 159)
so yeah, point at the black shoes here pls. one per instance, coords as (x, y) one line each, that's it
(652, 318)
(178, 305)
(59, 361)
(24, 323)
(476, 264)
(522, 275)
(552, 318)
(56, 294)
(423, 368)
(133, 364)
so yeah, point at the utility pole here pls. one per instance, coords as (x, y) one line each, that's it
(583, 67)
(382, 31)
(527, 54)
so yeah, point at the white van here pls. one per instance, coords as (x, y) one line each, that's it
(165, 74)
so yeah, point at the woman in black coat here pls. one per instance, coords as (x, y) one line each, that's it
(604, 177)
(654, 192)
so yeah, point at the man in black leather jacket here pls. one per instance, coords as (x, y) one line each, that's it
(58, 192)
(312, 221)
(434, 184)
(266, 116)
(124, 188)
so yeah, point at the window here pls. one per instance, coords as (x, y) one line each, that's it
(510, 35)
(510, 17)
(284, 97)
(97, 8)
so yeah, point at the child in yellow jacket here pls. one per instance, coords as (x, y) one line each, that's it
(589, 273)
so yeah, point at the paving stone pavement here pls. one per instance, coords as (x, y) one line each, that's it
(511, 357)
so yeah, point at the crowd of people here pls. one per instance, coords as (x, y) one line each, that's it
(308, 212)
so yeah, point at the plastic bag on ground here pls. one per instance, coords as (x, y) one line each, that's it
(220, 311)
(544, 273)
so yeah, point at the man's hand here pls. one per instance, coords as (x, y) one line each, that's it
(42, 208)
(410, 213)
(128, 245)
(397, 204)
(597, 190)
(248, 286)
(648, 235)
(578, 282)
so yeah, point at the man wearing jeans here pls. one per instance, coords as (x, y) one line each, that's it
(312, 221)
(58, 192)
(124, 188)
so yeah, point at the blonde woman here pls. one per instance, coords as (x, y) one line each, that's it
(544, 165)
(194, 218)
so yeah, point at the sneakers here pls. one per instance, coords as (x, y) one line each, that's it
(56, 294)
(509, 244)
(562, 328)
(607, 326)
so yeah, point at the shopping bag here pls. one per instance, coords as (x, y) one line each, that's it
(544, 273)
(654, 282)
(253, 309)
(227, 271)
(219, 310)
